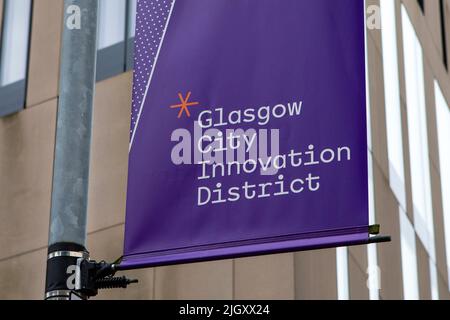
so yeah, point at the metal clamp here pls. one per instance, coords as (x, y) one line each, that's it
(58, 295)
(72, 254)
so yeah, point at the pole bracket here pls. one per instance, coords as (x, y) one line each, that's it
(71, 274)
(92, 276)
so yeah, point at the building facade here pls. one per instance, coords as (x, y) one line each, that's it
(409, 161)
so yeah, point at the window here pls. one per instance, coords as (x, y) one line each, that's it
(418, 137)
(433, 279)
(14, 55)
(409, 258)
(343, 290)
(342, 273)
(392, 101)
(443, 124)
(373, 270)
(372, 258)
(443, 33)
(132, 7)
(116, 21)
(421, 5)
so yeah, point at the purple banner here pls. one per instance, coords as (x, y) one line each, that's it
(248, 130)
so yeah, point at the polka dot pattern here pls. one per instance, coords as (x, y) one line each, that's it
(151, 20)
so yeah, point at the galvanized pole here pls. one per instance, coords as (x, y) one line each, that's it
(67, 237)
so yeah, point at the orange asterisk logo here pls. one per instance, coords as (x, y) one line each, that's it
(184, 105)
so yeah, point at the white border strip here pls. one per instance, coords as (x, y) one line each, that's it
(151, 75)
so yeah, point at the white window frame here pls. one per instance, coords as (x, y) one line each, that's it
(418, 135)
(392, 100)
(409, 258)
(115, 44)
(443, 128)
(15, 42)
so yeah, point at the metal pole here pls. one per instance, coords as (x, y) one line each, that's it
(67, 237)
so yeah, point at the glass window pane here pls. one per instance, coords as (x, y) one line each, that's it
(373, 280)
(392, 100)
(342, 273)
(112, 20)
(418, 137)
(433, 280)
(373, 270)
(409, 258)
(112, 30)
(443, 124)
(16, 29)
(132, 6)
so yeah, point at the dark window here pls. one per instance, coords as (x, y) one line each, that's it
(444, 33)
(422, 5)
(115, 43)
(14, 54)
